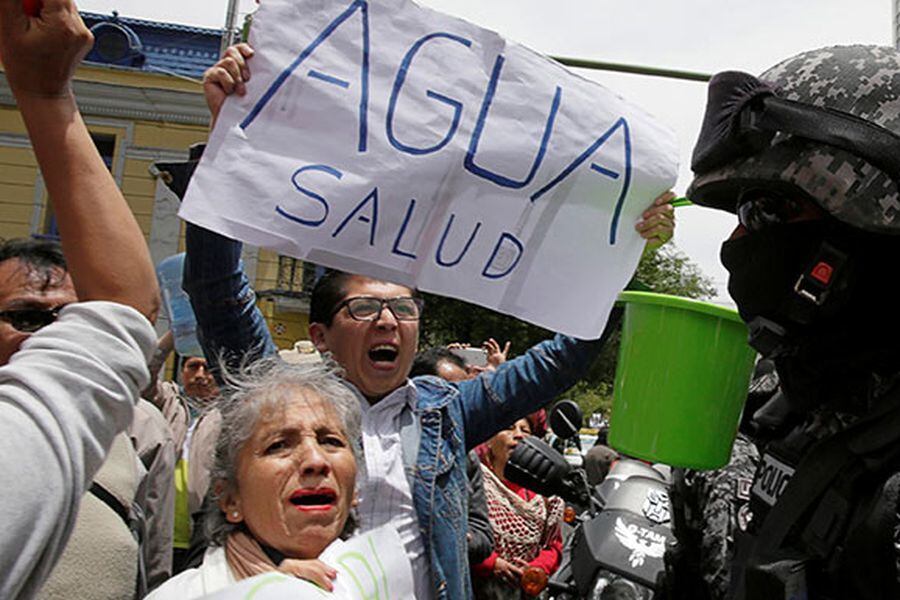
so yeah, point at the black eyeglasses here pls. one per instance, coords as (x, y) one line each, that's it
(758, 209)
(29, 320)
(366, 308)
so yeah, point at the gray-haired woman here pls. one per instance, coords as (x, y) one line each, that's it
(283, 477)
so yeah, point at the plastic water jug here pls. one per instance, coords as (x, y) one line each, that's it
(177, 306)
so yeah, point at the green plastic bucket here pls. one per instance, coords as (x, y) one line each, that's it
(681, 381)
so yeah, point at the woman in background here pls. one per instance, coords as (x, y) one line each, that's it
(526, 526)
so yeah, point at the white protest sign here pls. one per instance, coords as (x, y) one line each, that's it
(387, 139)
(369, 565)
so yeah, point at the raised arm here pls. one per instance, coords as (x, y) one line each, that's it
(72, 386)
(230, 324)
(524, 384)
(105, 250)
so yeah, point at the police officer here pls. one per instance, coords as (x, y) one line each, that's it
(808, 158)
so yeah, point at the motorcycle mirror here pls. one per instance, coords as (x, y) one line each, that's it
(536, 466)
(565, 419)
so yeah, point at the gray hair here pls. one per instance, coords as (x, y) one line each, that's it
(269, 383)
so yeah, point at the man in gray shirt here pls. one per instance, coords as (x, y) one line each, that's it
(70, 387)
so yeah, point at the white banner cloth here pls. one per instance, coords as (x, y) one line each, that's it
(387, 139)
(369, 565)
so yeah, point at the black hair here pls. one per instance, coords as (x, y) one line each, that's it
(327, 293)
(426, 362)
(43, 256)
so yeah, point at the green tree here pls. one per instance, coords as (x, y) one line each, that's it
(669, 271)
(665, 271)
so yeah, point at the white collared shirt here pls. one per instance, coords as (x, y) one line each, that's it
(385, 496)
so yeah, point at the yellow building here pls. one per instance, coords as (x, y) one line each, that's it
(140, 93)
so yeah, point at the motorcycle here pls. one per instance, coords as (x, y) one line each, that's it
(623, 525)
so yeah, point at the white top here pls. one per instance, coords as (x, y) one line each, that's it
(211, 576)
(385, 497)
(63, 398)
(370, 565)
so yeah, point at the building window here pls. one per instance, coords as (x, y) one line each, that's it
(290, 275)
(106, 146)
(296, 277)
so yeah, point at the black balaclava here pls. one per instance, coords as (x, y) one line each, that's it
(853, 336)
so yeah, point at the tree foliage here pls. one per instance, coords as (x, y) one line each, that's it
(666, 271)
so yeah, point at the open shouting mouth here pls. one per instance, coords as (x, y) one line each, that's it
(320, 499)
(384, 355)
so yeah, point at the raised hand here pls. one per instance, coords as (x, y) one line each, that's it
(228, 76)
(495, 355)
(40, 53)
(105, 250)
(657, 224)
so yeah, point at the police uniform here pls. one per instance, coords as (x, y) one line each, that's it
(709, 509)
(808, 158)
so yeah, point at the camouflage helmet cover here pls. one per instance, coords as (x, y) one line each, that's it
(860, 80)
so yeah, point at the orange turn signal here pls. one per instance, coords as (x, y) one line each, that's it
(569, 515)
(534, 580)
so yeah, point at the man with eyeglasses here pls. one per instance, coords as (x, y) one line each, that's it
(807, 157)
(416, 433)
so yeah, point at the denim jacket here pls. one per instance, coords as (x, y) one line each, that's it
(451, 418)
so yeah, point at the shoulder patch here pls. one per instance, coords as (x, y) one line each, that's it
(742, 487)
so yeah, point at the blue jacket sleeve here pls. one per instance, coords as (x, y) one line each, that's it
(527, 383)
(229, 325)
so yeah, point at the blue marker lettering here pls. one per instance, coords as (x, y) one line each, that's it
(309, 222)
(501, 180)
(396, 249)
(626, 184)
(440, 247)
(328, 78)
(512, 263)
(400, 79)
(604, 171)
(363, 7)
(372, 220)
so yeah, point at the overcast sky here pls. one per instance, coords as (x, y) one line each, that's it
(692, 35)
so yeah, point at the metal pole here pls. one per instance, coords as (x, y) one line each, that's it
(636, 69)
(230, 20)
(896, 27)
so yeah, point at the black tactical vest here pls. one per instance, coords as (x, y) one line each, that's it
(825, 515)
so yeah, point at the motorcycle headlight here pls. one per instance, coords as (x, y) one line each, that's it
(609, 586)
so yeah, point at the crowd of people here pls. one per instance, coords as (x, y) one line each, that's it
(119, 484)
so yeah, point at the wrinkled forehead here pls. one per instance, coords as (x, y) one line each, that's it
(292, 406)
